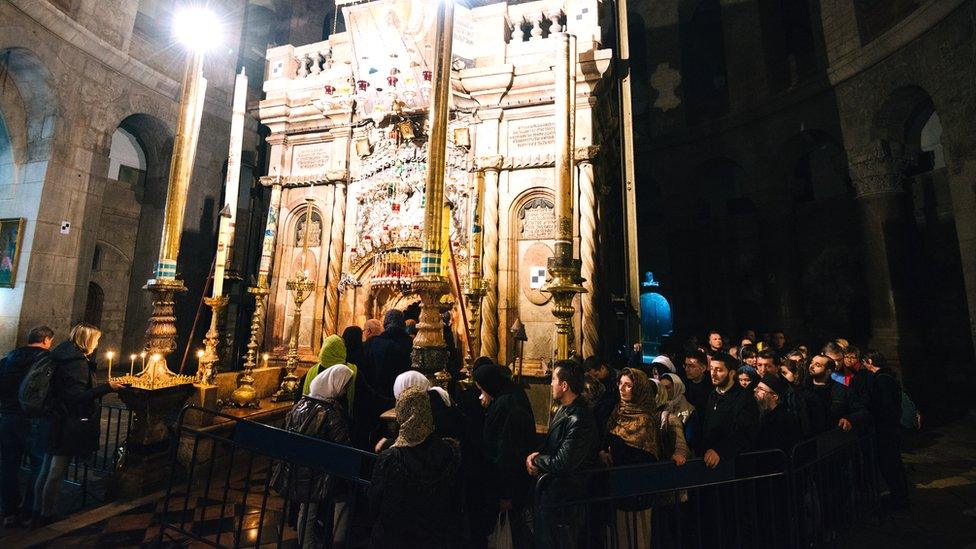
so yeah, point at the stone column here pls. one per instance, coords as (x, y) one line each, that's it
(589, 237)
(877, 171)
(335, 257)
(491, 165)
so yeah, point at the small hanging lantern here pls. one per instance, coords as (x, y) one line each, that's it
(329, 89)
(363, 85)
(428, 75)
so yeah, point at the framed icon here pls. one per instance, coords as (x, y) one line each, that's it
(11, 237)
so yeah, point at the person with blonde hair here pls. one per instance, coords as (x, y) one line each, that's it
(74, 414)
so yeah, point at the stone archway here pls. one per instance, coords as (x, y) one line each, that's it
(30, 110)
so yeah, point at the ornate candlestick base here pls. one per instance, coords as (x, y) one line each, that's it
(473, 303)
(161, 332)
(430, 355)
(245, 395)
(565, 283)
(210, 358)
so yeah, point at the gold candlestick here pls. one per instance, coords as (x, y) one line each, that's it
(430, 353)
(301, 288)
(565, 280)
(208, 362)
(245, 394)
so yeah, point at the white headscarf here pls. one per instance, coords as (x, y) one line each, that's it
(330, 383)
(413, 378)
(678, 405)
(663, 359)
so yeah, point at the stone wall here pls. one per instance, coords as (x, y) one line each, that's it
(752, 263)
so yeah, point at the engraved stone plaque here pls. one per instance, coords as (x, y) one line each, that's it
(532, 136)
(311, 159)
(537, 220)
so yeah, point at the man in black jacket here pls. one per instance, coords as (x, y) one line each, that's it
(885, 407)
(777, 426)
(842, 409)
(15, 427)
(571, 445)
(731, 417)
(697, 383)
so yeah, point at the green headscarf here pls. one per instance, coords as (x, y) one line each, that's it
(333, 352)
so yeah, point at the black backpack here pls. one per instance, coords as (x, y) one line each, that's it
(35, 387)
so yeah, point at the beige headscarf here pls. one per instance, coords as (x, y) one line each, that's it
(413, 416)
(632, 421)
(678, 405)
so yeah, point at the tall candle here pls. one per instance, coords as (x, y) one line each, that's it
(132, 365)
(270, 233)
(221, 261)
(142, 355)
(110, 354)
(233, 181)
(265, 357)
(475, 242)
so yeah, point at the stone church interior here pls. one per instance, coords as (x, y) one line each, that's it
(544, 179)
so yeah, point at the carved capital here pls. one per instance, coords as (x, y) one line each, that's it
(337, 176)
(277, 139)
(493, 162)
(879, 167)
(269, 180)
(586, 154)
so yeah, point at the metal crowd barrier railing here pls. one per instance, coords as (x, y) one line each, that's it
(115, 421)
(760, 499)
(240, 483)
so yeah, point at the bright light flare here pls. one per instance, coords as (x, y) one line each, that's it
(197, 28)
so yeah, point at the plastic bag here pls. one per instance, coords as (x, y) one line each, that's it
(501, 536)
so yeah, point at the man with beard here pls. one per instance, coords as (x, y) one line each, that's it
(841, 408)
(731, 416)
(777, 427)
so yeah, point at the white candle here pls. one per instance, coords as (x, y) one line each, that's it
(132, 365)
(270, 233)
(110, 354)
(221, 261)
(142, 355)
(233, 181)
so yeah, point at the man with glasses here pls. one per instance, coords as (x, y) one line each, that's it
(777, 427)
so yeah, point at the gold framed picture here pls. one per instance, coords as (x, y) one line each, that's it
(11, 236)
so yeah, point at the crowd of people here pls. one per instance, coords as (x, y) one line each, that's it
(459, 465)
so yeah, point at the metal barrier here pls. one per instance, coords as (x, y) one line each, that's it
(239, 483)
(663, 505)
(762, 499)
(115, 424)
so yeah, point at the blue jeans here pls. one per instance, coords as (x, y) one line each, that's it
(18, 436)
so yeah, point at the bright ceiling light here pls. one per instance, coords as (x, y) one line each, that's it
(197, 28)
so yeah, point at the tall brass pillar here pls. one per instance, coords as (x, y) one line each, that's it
(430, 354)
(564, 280)
(161, 332)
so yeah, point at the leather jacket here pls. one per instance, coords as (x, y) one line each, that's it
(571, 445)
(322, 419)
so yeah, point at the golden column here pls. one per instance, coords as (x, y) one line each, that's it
(430, 355)
(564, 271)
(161, 332)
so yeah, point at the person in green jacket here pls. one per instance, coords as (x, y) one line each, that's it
(333, 352)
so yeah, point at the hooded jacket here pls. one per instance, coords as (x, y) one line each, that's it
(13, 367)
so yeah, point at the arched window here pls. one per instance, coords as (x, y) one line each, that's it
(127, 160)
(704, 79)
(94, 304)
(923, 132)
(787, 41)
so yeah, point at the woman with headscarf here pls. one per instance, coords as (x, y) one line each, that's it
(414, 500)
(679, 407)
(323, 414)
(671, 435)
(447, 423)
(333, 352)
(633, 440)
(509, 436)
(352, 336)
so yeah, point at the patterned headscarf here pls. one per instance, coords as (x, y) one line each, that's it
(634, 421)
(413, 416)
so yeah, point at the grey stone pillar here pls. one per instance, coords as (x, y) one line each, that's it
(884, 214)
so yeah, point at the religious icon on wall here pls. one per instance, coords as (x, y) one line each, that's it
(11, 235)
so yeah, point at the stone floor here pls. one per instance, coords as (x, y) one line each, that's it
(941, 462)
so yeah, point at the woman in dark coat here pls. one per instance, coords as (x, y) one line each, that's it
(74, 416)
(353, 338)
(321, 414)
(509, 436)
(414, 500)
